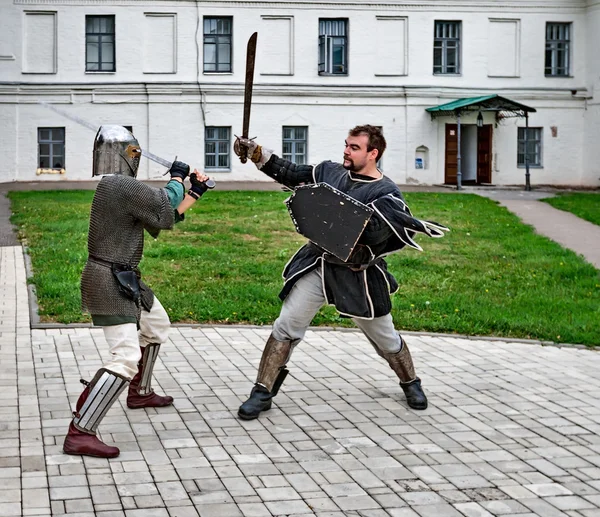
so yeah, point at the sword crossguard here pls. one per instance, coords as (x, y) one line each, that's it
(243, 147)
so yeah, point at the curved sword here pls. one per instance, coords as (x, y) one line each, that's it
(250, 60)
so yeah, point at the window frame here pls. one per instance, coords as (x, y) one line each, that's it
(51, 142)
(294, 140)
(328, 43)
(99, 42)
(217, 43)
(217, 153)
(442, 42)
(532, 140)
(553, 49)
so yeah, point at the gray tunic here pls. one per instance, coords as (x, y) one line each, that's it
(122, 209)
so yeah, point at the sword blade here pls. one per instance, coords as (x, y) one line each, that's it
(250, 61)
(89, 125)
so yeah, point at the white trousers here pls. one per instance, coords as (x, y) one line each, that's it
(304, 301)
(124, 341)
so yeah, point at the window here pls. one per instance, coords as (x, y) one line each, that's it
(534, 147)
(217, 44)
(216, 148)
(295, 144)
(51, 147)
(333, 47)
(446, 48)
(558, 40)
(100, 44)
(129, 128)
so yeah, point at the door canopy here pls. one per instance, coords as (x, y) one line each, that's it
(501, 105)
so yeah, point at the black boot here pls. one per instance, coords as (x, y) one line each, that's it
(415, 397)
(260, 400)
(402, 364)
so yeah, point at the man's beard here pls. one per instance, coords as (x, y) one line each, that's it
(351, 167)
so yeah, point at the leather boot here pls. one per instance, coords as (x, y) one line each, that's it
(144, 396)
(137, 401)
(260, 398)
(402, 364)
(259, 401)
(82, 441)
(415, 397)
(83, 444)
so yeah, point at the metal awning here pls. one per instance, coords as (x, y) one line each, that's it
(502, 105)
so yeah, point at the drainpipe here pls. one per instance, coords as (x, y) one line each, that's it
(527, 182)
(458, 155)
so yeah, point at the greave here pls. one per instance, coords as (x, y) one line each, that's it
(401, 362)
(103, 391)
(272, 363)
(271, 374)
(149, 356)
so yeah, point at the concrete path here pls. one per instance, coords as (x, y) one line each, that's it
(563, 227)
(513, 428)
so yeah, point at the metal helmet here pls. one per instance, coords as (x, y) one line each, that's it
(116, 151)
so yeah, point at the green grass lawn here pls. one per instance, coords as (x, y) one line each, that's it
(491, 275)
(583, 204)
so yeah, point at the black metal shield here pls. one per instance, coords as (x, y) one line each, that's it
(329, 218)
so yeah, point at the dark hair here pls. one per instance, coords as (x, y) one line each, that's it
(376, 138)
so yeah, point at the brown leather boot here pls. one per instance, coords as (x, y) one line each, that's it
(83, 444)
(137, 401)
(141, 394)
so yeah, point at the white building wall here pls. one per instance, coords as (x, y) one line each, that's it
(159, 82)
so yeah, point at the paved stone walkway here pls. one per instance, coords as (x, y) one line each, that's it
(563, 227)
(512, 428)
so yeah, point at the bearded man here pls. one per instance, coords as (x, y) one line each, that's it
(359, 287)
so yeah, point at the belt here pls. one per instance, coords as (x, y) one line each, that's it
(332, 259)
(106, 263)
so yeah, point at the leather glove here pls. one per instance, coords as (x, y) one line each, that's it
(198, 187)
(252, 149)
(257, 153)
(179, 170)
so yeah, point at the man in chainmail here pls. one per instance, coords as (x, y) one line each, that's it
(359, 287)
(135, 324)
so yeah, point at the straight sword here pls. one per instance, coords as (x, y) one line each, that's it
(250, 61)
(151, 156)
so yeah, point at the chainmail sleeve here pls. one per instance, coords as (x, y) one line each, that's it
(288, 173)
(150, 205)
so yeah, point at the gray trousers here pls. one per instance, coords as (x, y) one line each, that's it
(305, 300)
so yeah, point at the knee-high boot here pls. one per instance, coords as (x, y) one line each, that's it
(93, 403)
(271, 374)
(140, 393)
(402, 364)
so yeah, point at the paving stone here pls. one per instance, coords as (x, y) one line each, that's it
(500, 437)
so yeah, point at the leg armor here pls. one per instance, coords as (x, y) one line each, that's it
(402, 364)
(103, 391)
(92, 405)
(141, 393)
(271, 374)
